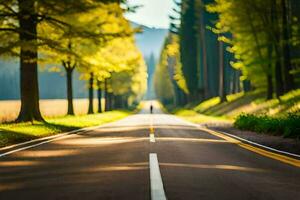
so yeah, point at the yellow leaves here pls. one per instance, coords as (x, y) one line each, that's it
(172, 49)
(169, 69)
(100, 42)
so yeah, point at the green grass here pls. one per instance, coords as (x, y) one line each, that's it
(252, 102)
(288, 125)
(193, 116)
(12, 133)
(250, 111)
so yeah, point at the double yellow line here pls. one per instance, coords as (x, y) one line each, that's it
(269, 154)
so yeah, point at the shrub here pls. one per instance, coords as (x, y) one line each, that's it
(288, 126)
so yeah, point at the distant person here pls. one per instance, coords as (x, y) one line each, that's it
(151, 108)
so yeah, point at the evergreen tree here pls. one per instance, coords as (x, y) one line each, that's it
(189, 47)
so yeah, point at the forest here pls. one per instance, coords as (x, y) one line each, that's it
(225, 57)
(91, 40)
(221, 47)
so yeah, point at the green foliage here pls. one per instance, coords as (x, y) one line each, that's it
(288, 126)
(198, 56)
(262, 50)
(169, 81)
(189, 44)
(92, 36)
(162, 81)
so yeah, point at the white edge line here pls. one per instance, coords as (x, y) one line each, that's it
(34, 145)
(245, 140)
(57, 135)
(260, 145)
(156, 184)
(45, 140)
(254, 143)
(39, 139)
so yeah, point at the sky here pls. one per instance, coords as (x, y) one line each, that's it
(154, 13)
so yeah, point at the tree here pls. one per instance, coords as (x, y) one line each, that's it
(189, 47)
(262, 41)
(69, 67)
(169, 81)
(120, 66)
(97, 33)
(91, 94)
(20, 22)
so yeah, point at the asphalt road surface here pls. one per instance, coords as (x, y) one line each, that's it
(145, 156)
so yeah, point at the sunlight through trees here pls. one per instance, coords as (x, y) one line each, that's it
(91, 37)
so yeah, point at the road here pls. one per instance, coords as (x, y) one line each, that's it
(145, 156)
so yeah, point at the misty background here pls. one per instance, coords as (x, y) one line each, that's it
(52, 84)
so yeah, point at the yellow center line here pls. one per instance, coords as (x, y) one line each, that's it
(152, 138)
(269, 154)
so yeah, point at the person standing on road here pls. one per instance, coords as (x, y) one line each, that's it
(151, 108)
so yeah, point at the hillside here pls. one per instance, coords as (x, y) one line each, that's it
(150, 40)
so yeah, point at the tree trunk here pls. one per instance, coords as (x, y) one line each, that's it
(233, 81)
(222, 92)
(106, 96)
(279, 80)
(30, 110)
(238, 82)
(125, 102)
(70, 91)
(247, 85)
(287, 66)
(269, 87)
(111, 101)
(91, 94)
(119, 102)
(204, 56)
(107, 101)
(99, 97)
(278, 66)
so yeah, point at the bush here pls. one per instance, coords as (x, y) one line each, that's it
(288, 126)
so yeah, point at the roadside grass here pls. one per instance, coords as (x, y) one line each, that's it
(250, 111)
(288, 125)
(12, 133)
(253, 102)
(195, 117)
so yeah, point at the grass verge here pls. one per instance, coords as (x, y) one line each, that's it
(12, 133)
(193, 116)
(288, 125)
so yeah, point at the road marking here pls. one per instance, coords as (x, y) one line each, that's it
(263, 146)
(269, 154)
(152, 137)
(46, 140)
(156, 184)
(34, 145)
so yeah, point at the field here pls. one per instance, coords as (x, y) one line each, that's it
(50, 108)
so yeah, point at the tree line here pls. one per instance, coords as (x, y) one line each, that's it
(221, 47)
(92, 37)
